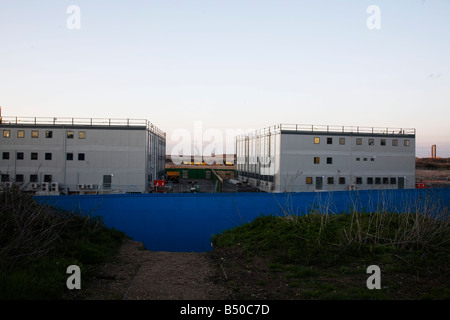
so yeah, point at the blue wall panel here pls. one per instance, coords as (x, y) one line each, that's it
(186, 222)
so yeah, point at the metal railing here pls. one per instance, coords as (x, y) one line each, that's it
(328, 129)
(107, 122)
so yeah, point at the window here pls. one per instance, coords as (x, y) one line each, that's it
(385, 180)
(330, 180)
(5, 177)
(19, 178)
(34, 156)
(394, 142)
(341, 180)
(49, 134)
(19, 156)
(329, 160)
(406, 143)
(69, 156)
(377, 180)
(309, 180)
(393, 180)
(20, 134)
(365, 159)
(329, 140)
(47, 178)
(69, 134)
(316, 160)
(6, 133)
(358, 180)
(359, 141)
(341, 140)
(81, 135)
(369, 180)
(33, 178)
(372, 159)
(81, 157)
(5, 156)
(358, 159)
(35, 134)
(316, 140)
(382, 142)
(48, 156)
(371, 142)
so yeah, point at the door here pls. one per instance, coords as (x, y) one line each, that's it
(401, 183)
(107, 179)
(319, 183)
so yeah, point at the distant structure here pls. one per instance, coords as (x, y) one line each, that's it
(70, 155)
(433, 151)
(298, 158)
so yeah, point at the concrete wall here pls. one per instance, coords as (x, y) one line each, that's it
(186, 222)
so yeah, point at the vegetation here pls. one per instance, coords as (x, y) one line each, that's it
(323, 256)
(38, 243)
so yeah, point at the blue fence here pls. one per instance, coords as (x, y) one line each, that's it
(186, 222)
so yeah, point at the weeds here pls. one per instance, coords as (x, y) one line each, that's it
(411, 242)
(422, 223)
(38, 243)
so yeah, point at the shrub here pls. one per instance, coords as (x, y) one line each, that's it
(39, 242)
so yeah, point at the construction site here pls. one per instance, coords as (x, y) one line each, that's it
(432, 172)
(202, 177)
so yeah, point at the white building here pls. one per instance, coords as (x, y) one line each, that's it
(297, 158)
(81, 155)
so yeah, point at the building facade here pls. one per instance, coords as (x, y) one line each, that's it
(299, 158)
(71, 155)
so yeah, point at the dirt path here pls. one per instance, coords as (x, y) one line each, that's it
(139, 274)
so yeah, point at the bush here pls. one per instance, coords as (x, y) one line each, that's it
(321, 239)
(38, 243)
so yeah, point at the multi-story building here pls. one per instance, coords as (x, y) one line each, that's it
(297, 158)
(81, 155)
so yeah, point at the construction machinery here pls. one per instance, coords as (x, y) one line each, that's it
(173, 176)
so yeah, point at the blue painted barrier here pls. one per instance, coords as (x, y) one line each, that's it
(186, 222)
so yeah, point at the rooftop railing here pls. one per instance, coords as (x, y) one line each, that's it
(329, 129)
(61, 121)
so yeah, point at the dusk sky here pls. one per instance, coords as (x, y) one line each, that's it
(232, 65)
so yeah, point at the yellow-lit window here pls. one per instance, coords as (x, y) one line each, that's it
(316, 160)
(35, 134)
(20, 134)
(69, 134)
(316, 140)
(309, 180)
(81, 135)
(6, 133)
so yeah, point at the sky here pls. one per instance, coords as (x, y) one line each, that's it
(213, 67)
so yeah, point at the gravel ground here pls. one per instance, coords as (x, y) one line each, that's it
(139, 274)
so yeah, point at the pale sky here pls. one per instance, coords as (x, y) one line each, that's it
(232, 65)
